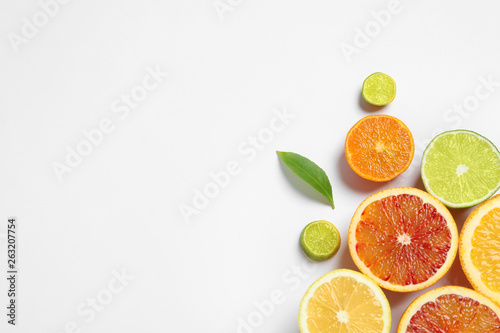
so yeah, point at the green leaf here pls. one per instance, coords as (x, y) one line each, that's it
(309, 172)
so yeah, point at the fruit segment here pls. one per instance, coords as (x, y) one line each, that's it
(344, 301)
(320, 240)
(379, 147)
(461, 168)
(451, 309)
(403, 238)
(480, 248)
(345, 305)
(379, 89)
(402, 229)
(485, 253)
(454, 313)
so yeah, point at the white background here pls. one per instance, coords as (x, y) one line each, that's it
(119, 209)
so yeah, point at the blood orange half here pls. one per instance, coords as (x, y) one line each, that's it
(451, 309)
(403, 238)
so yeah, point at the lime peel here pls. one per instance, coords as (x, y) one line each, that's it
(320, 240)
(461, 168)
(379, 89)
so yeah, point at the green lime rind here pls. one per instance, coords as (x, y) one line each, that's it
(320, 240)
(461, 168)
(379, 89)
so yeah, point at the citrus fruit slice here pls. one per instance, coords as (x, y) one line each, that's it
(403, 238)
(379, 147)
(480, 248)
(320, 240)
(451, 309)
(379, 89)
(461, 168)
(344, 301)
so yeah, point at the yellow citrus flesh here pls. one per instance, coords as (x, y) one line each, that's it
(451, 309)
(403, 238)
(344, 301)
(480, 248)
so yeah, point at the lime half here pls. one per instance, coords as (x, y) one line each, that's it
(379, 89)
(461, 168)
(320, 240)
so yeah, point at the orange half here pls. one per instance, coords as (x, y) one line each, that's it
(479, 248)
(379, 147)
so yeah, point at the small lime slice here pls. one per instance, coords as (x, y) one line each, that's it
(461, 168)
(320, 240)
(379, 89)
